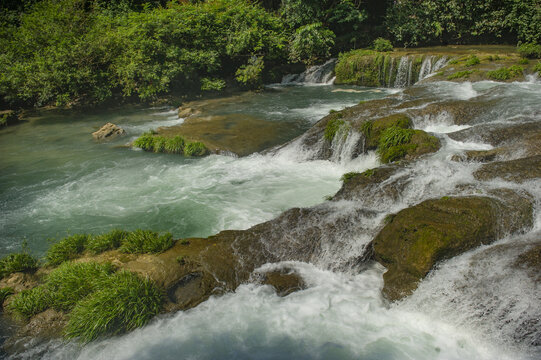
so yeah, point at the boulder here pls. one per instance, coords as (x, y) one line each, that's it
(108, 132)
(284, 281)
(417, 238)
(518, 170)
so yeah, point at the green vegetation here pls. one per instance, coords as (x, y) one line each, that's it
(66, 249)
(333, 125)
(537, 68)
(4, 293)
(175, 145)
(506, 73)
(127, 302)
(472, 61)
(214, 84)
(348, 176)
(390, 142)
(460, 75)
(369, 173)
(28, 303)
(250, 75)
(530, 50)
(381, 44)
(17, 262)
(109, 241)
(311, 43)
(146, 241)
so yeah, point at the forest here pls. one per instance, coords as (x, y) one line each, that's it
(89, 52)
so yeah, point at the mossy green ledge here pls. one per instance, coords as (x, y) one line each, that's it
(417, 238)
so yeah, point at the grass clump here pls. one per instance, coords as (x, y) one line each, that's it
(348, 176)
(159, 144)
(504, 73)
(17, 262)
(530, 50)
(28, 303)
(382, 45)
(460, 75)
(524, 61)
(4, 293)
(393, 143)
(472, 61)
(369, 173)
(195, 149)
(175, 145)
(109, 241)
(146, 241)
(67, 249)
(332, 128)
(128, 302)
(71, 282)
(145, 141)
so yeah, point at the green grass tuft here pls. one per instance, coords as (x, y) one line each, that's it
(127, 303)
(145, 141)
(195, 149)
(72, 282)
(369, 173)
(504, 73)
(460, 75)
(472, 61)
(67, 249)
(159, 144)
(28, 303)
(333, 125)
(4, 293)
(348, 176)
(17, 263)
(109, 241)
(146, 241)
(175, 145)
(393, 143)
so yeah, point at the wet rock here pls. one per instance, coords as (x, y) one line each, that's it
(499, 134)
(417, 238)
(479, 155)
(19, 281)
(530, 261)
(108, 131)
(185, 112)
(461, 112)
(284, 281)
(519, 170)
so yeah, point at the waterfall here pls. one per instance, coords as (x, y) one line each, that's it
(429, 66)
(390, 73)
(345, 144)
(317, 74)
(402, 76)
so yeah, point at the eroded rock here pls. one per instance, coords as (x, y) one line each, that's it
(519, 170)
(108, 131)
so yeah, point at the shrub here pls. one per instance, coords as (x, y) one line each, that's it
(504, 73)
(66, 249)
(4, 293)
(208, 84)
(311, 43)
(332, 128)
(381, 44)
(109, 241)
(146, 241)
(126, 303)
(472, 61)
(16, 263)
(250, 74)
(145, 141)
(72, 282)
(195, 149)
(175, 145)
(530, 50)
(28, 303)
(537, 68)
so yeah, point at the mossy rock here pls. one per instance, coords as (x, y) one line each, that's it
(479, 155)
(372, 130)
(518, 170)
(417, 238)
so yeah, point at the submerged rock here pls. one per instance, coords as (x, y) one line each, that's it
(519, 170)
(479, 155)
(108, 131)
(284, 281)
(417, 238)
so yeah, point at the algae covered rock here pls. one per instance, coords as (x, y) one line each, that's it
(519, 170)
(417, 238)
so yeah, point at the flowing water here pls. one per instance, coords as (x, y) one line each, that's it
(54, 178)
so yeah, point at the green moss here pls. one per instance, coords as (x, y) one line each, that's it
(4, 293)
(333, 125)
(72, 282)
(369, 173)
(128, 302)
(195, 149)
(504, 73)
(68, 248)
(348, 176)
(360, 67)
(28, 303)
(460, 75)
(184, 242)
(472, 61)
(18, 262)
(181, 259)
(109, 241)
(146, 241)
(373, 130)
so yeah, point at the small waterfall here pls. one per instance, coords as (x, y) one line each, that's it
(345, 145)
(426, 67)
(403, 74)
(317, 74)
(390, 73)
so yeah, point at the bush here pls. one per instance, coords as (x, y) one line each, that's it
(72, 282)
(175, 145)
(208, 84)
(381, 44)
(472, 61)
(28, 303)
(311, 43)
(195, 149)
(537, 68)
(17, 263)
(250, 74)
(67, 249)
(530, 50)
(126, 303)
(109, 241)
(146, 241)
(504, 73)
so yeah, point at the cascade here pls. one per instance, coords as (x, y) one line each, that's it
(317, 74)
(402, 76)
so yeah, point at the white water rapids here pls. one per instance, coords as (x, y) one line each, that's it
(468, 308)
